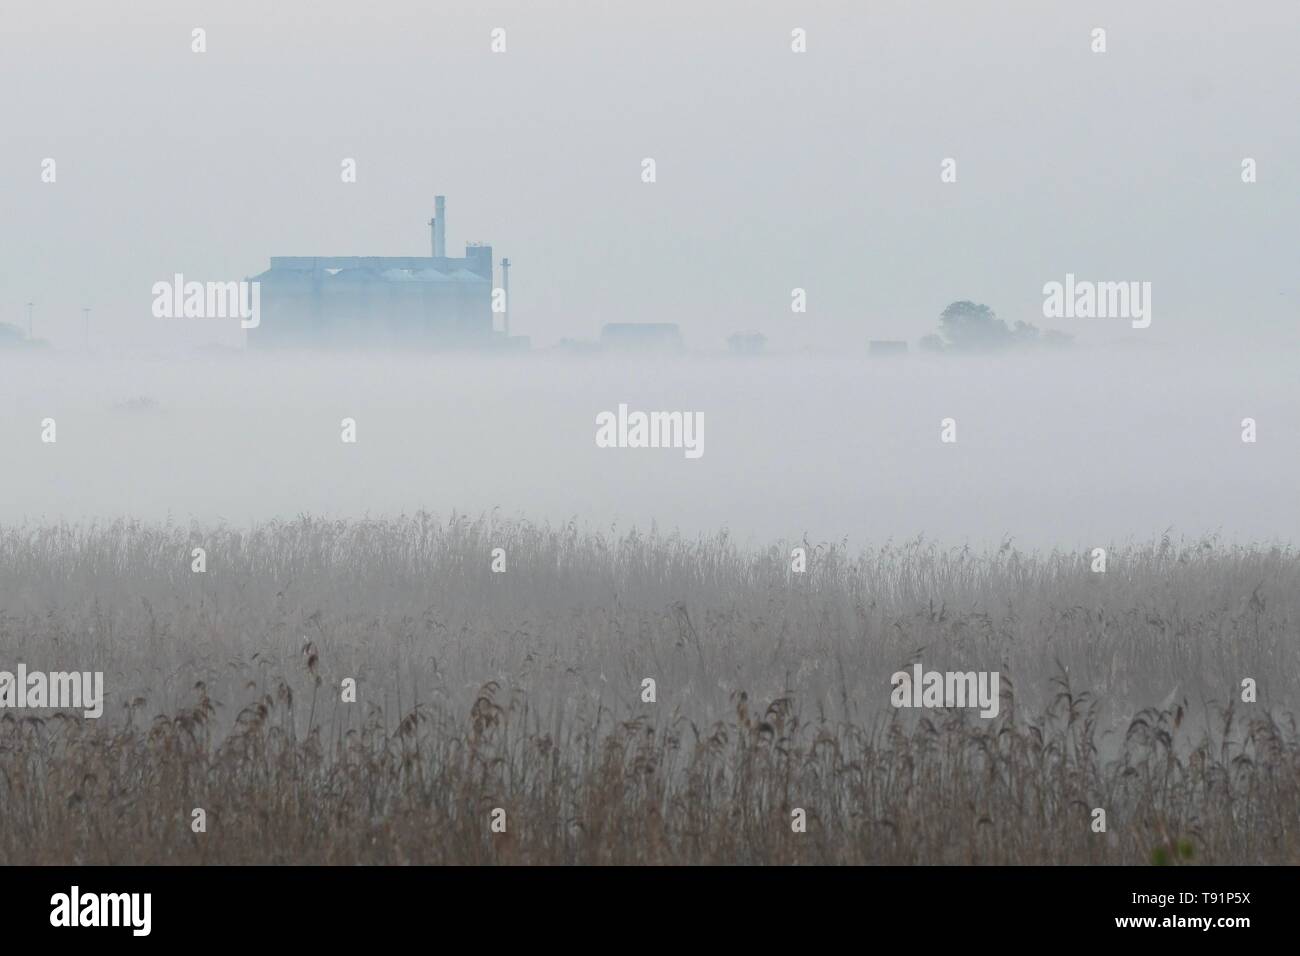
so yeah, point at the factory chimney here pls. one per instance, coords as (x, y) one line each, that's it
(439, 226)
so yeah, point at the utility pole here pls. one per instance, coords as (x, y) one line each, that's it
(29, 320)
(505, 290)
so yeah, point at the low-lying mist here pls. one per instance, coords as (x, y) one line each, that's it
(1071, 450)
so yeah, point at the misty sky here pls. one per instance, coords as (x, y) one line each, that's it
(775, 170)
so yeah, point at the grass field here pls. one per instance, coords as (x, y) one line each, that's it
(522, 691)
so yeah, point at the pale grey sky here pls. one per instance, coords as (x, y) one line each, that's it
(775, 170)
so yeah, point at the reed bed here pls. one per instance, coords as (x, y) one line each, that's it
(522, 691)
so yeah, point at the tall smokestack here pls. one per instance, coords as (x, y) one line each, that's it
(439, 226)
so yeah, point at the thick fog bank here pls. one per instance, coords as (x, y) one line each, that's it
(1063, 450)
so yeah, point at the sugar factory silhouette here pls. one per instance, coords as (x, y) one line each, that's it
(434, 301)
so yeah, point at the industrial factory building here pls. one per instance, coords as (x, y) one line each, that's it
(641, 337)
(402, 301)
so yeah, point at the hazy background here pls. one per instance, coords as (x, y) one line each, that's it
(775, 170)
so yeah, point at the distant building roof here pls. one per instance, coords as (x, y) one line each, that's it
(428, 275)
(641, 334)
(464, 275)
(747, 341)
(363, 274)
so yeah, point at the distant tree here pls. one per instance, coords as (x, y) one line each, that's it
(967, 326)
(970, 327)
(1022, 333)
